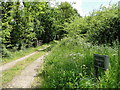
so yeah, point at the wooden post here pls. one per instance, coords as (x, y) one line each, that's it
(96, 72)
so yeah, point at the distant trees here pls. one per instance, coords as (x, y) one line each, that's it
(64, 13)
(19, 26)
(101, 27)
(104, 27)
(23, 25)
(6, 25)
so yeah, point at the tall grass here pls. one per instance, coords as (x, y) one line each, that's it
(70, 65)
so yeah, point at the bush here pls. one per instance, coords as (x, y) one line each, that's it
(104, 26)
(5, 52)
(101, 27)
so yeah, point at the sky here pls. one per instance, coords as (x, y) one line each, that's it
(82, 6)
(85, 6)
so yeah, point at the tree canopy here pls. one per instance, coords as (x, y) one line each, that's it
(23, 25)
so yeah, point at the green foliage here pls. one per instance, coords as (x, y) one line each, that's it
(100, 27)
(23, 26)
(71, 66)
(78, 27)
(4, 51)
(67, 11)
(6, 27)
(104, 25)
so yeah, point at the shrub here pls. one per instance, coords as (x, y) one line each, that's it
(104, 26)
(5, 52)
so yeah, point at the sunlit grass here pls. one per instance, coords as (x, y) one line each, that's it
(70, 65)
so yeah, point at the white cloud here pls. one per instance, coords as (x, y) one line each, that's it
(97, 0)
(83, 11)
(77, 6)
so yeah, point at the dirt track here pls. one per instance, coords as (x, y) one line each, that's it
(25, 79)
(11, 64)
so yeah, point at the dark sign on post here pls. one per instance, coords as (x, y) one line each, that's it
(100, 61)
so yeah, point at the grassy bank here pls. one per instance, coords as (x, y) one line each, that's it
(70, 65)
(9, 74)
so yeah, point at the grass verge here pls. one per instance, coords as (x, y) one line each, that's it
(71, 65)
(37, 83)
(18, 54)
(9, 74)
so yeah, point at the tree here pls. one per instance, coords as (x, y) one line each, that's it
(6, 22)
(64, 13)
